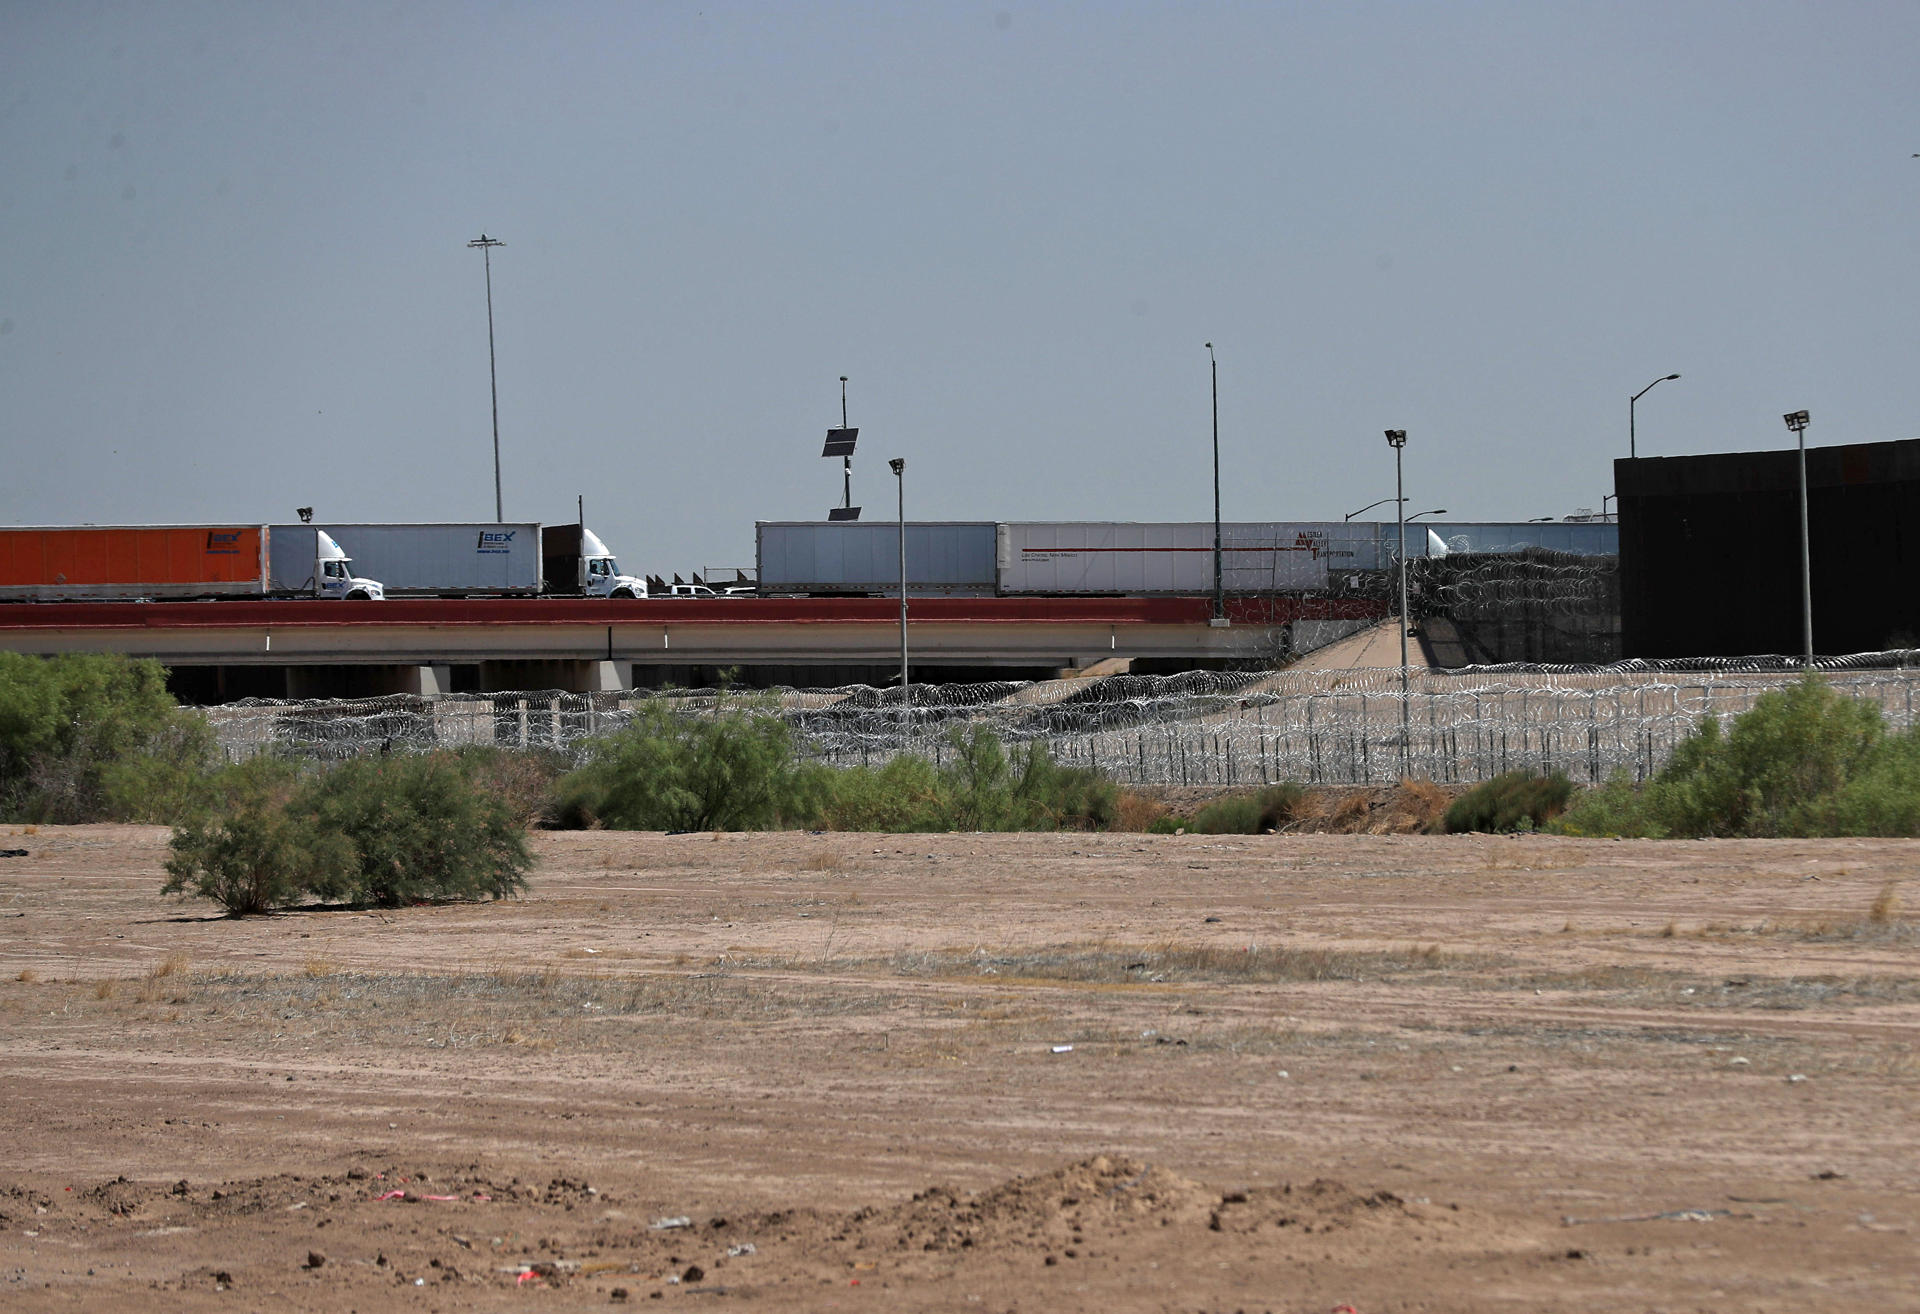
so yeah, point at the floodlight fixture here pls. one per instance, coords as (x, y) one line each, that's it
(306, 514)
(1541, 520)
(897, 464)
(1796, 420)
(1396, 438)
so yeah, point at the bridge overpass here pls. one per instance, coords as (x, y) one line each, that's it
(299, 648)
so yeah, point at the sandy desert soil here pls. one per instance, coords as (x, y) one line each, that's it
(831, 1072)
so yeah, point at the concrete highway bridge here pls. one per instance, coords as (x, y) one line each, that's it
(309, 648)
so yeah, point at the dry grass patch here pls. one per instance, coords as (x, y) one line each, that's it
(824, 860)
(1112, 964)
(27, 974)
(170, 980)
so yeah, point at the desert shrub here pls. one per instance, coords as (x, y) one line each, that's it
(1516, 800)
(385, 830)
(420, 826)
(905, 793)
(95, 738)
(982, 786)
(1167, 824)
(251, 853)
(1882, 797)
(732, 770)
(1804, 760)
(1249, 814)
(524, 779)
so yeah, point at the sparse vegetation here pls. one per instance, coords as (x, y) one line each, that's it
(1803, 761)
(1269, 809)
(738, 771)
(377, 831)
(1515, 801)
(92, 737)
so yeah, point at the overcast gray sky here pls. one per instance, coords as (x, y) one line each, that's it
(235, 277)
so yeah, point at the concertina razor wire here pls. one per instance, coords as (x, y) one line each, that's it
(1197, 728)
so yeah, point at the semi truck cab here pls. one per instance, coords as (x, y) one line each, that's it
(333, 575)
(600, 575)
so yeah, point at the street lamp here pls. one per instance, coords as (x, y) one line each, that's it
(1437, 511)
(486, 245)
(1797, 421)
(1370, 506)
(1219, 589)
(899, 464)
(1664, 378)
(1397, 439)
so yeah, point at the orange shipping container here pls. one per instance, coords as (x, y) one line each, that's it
(170, 561)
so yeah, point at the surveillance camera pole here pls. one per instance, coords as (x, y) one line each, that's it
(846, 468)
(1397, 439)
(1797, 421)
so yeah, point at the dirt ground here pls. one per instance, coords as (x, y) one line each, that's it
(976, 1072)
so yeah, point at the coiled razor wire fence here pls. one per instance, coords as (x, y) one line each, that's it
(1198, 728)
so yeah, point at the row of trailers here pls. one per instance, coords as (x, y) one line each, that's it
(981, 558)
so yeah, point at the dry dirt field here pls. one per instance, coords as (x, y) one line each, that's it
(976, 1072)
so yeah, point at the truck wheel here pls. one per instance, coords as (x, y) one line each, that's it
(359, 595)
(621, 593)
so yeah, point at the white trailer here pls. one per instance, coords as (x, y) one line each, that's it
(438, 560)
(945, 558)
(1131, 559)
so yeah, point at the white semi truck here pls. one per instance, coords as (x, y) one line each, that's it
(485, 560)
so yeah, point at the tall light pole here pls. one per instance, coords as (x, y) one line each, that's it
(486, 245)
(1632, 451)
(899, 464)
(1797, 421)
(1397, 439)
(1219, 588)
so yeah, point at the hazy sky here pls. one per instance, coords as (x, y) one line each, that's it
(235, 277)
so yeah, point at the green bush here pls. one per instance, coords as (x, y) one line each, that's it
(251, 853)
(905, 793)
(1517, 800)
(375, 831)
(1249, 814)
(1803, 761)
(736, 770)
(420, 827)
(95, 738)
(730, 771)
